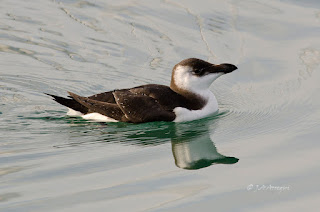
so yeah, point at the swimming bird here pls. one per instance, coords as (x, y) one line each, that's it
(187, 98)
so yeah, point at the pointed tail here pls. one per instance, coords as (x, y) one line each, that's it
(70, 103)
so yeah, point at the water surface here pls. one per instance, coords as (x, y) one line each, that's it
(260, 153)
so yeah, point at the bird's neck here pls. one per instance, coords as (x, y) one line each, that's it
(200, 96)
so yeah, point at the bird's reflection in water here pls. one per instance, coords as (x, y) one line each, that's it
(192, 147)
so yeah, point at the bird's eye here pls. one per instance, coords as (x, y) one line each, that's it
(197, 71)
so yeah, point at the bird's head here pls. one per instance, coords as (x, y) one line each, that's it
(195, 75)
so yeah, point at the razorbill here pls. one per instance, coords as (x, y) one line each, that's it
(188, 97)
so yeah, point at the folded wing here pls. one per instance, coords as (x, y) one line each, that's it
(141, 108)
(111, 110)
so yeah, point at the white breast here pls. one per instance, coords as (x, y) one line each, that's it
(183, 114)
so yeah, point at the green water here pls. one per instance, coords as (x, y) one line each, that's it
(260, 153)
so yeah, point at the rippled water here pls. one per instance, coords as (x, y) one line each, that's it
(260, 153)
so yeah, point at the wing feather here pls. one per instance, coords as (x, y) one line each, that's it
(141, 108)
(108, 109)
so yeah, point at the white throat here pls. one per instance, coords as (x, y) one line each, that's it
(185, 80)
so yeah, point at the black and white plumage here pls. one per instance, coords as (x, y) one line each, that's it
(188, 97)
